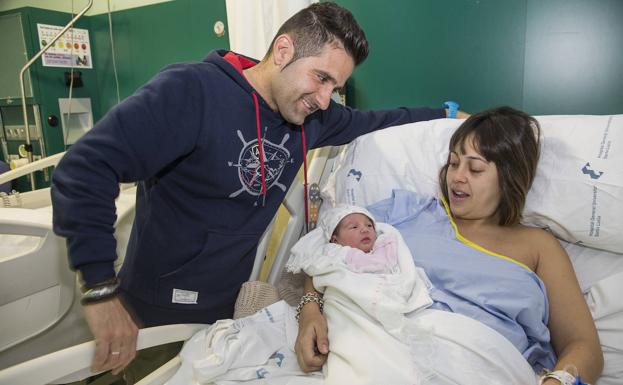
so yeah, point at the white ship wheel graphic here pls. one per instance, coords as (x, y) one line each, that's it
(249, 167)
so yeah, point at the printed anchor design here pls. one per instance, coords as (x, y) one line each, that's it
(249, 167)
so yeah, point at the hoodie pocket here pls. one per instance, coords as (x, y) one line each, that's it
(213, 277)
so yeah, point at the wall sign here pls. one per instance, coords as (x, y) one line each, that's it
(72, 49)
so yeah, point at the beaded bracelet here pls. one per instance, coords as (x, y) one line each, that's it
(307, 298)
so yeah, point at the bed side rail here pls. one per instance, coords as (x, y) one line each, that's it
(320, 166)
(73, 364)
(29, 168)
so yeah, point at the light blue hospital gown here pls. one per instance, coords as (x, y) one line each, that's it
(503, 294)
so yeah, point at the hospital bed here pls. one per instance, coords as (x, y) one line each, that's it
(39, 312)
(340, 172)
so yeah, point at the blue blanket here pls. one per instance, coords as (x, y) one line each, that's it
(494, 289)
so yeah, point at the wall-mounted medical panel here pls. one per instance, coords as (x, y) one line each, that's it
(23, 33)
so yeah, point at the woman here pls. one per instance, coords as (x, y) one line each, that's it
(528, 292)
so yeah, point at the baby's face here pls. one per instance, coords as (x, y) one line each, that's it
(355, 230)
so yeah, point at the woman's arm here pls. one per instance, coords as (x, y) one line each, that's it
(312, 344)
(571, 325)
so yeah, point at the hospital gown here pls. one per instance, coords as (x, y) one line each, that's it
(469, 280)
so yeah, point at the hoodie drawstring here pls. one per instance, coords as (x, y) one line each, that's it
(260, 146)
(305, 178)
(262, 166)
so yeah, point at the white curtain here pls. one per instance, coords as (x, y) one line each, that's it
(252, 24)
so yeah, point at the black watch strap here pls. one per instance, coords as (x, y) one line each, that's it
(100, 292)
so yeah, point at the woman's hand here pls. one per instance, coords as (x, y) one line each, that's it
(312, 344)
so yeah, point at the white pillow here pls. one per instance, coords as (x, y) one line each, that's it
(407, 157)
(577, 192)
(578, 188)
(592, 265)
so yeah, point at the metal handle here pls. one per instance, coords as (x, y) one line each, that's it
(23, 89)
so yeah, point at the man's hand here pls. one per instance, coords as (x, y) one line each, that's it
(312, 344)
(459, 114)
(462, 115)
(115, 335)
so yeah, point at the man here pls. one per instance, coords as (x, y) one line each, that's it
(214, 145)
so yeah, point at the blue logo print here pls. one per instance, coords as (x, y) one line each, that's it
(590, 172)
(355, 173)
(277, 356)
(261, 373)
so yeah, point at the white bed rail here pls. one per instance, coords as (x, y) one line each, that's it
(29, 168)
(293, 202)
(32, 299)
(38, 311)
(73, 364)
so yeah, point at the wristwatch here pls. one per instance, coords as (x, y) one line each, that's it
(101, 291)
(452, 107)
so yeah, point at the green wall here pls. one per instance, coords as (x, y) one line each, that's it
(75, 6)
(147, 39)
(574, 60)
(543, 56)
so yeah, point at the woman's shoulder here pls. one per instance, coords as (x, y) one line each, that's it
(533, 234)
(526, 244)
(541, 243)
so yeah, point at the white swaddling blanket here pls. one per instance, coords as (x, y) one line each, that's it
(258, 349)
(386, 298)
(380, 332)
(365, 311)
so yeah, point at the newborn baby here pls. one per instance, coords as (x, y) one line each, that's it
(368, 252)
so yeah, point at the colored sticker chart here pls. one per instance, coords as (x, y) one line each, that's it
(72, 49)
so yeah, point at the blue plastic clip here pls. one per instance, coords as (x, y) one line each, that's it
(452, 107)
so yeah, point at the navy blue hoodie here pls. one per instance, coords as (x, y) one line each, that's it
(190, 137)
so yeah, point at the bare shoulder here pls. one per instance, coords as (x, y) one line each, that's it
(534, 234)
(543, 246)
(547, 250)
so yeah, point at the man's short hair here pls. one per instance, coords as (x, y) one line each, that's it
(321, 23)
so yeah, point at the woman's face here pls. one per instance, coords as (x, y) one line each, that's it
(472, 183)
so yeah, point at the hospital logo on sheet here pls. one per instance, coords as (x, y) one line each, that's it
(590, 172)
(276, 156)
